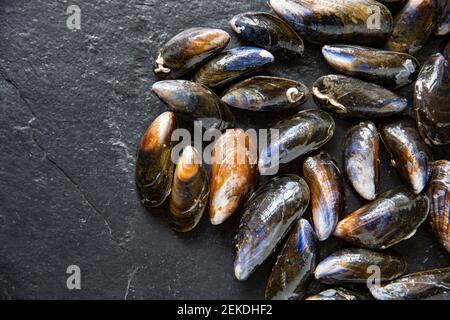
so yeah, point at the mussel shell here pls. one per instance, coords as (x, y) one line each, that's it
(188, 49)
(432, 101)
(266, 218)
(393, 217)
(386, 68)
(263, 93)
(264, 30)
(349, 97)
(154, 167)
(353, 266)
(327, 192)
(431, 284)
(232, 64)
(194, 102)
(334, 294)
(443, 25)
(439, 194)
(336, 21)
(293, 270)
(361, 161)
(412, 26)
(298, 135)
(409, 154)
(234, 173)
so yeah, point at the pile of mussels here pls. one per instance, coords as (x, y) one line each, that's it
(362, 90)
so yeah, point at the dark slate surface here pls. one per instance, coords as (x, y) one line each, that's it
(73, 106)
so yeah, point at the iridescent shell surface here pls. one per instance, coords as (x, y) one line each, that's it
(334, 294)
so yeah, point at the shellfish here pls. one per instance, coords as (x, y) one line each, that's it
(443, 26)
(334, 294)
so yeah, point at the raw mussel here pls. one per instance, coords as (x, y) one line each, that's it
(349, 97)
(386, 68)
(232, 64)
(263, 93)
(327, 192)
(188, 49)
(154, 167)
(393, 217)
(334, 294)
(295, 264)
(266, 218)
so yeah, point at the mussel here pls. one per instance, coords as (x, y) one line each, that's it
(188, 49)
(386, 68)
(337, 21)
(266, 218)
(232, 64)
(194, 102)
(295, 264)
(439, 194)
(409, 154)
(327, 192)
(264, 30)
(393, 217)
(432, 101)
(334, 294)
(154, 167)
(234, 173)
(361, 161)
(356, 265)
(349, 97)
(431, 284)
(262, 93)
(443, 25)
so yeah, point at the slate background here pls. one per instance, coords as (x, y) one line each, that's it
(73, 105)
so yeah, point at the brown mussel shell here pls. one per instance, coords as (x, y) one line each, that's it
(334, 294)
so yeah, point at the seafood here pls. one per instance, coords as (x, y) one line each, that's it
(327, 192)
(386, 68)
(439, 194)
(232, 64)
(336, 21)
(432, 101)
(334, 294)
(154, 167)
(354, 265)
(443, 26)
(264, 30)
(298, 135)
(266, 218)
(295, 264)
(188, 49)
(349, 97)
(393, 217)
(234, 173)
(189, 191)
(361, 161)
(263, 93)
(431, 284)
(409, 154)
(194, 102)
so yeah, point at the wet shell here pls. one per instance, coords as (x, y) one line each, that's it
(432, 101)
(412, 27)
(295, 264)
(232, 64)
(264, 30)
(154, 167)
(431, 284)
(393, 217)
(409, 154)
(194, 102)
(298, 135)
(327, 192)
(189, 191)
(357, 266)
(266, 94)
(266, 218)
(386, 68)
(349, 97)
(234, 173)
(439, 194)
(336, 21)
(361, 161)
(334, 294)
(188, 49)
